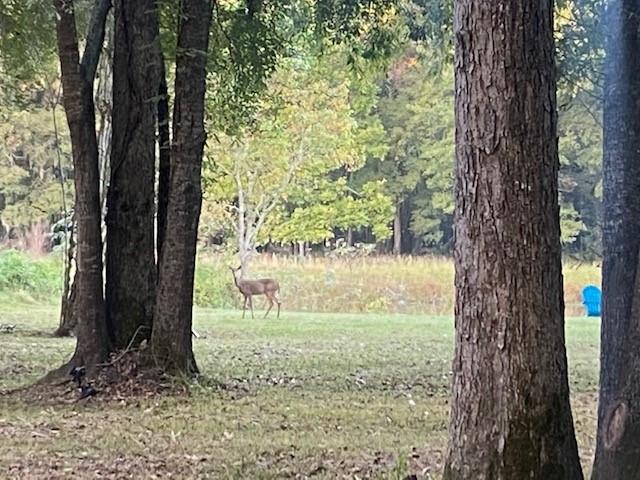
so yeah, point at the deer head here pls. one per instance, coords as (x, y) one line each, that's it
(234, 272)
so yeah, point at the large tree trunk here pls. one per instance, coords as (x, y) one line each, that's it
(77, 80)
(618, 442)
(102, 101)
(171, 337)
(131, 268)
(511, 417)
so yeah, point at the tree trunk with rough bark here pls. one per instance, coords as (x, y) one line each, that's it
(618, 442)
(131, 267)
(92, 344)
(171, 337)
(102, 101)
(511, 417)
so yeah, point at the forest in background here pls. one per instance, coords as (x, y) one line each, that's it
(327, 157)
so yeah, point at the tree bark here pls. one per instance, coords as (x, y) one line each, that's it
(102, 102)
(164, 148)
(511, 417)
(131, 267)
(618, 441)
(171, 337)
(68, 311)
(244, 228)
(69, 319)
(104, 111)
(92, 344)
(397, 229)
(245, 253)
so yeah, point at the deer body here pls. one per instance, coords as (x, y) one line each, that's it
(263, 286)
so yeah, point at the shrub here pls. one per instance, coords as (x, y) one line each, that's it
(39, 277)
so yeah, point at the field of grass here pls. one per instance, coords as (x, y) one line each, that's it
(307, 396)
(409, 285)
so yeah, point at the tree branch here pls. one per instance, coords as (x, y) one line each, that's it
(241, 209)
(95, 38)
(271, 201)
(263, 217)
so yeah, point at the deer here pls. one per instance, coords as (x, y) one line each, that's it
(263, 286)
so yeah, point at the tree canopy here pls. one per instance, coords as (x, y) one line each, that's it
(377, 112)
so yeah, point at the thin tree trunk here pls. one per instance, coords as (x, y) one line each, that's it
(171, 337)
(245, 254)
(164, 148)
(511, 417)
(397, 230)
(245, 246)
(92, 344)
(104, 107)
(131, 267)
(618, 442)
(68, 318)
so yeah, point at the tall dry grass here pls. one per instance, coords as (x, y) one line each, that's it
(366, 284)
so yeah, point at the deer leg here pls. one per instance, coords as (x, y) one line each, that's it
(270, 305)
(275, 297)
(251, 305)
(244, 307)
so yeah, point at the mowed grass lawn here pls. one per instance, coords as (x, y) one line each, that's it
(306, 396)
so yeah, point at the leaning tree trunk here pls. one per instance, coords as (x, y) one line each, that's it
(618, 442)
(510, 417)
(171, 336)
(77, 81)
(130, 258)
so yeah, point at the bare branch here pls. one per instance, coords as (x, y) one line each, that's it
(262, 218)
